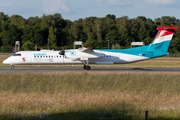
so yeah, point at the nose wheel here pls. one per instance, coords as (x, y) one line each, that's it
(12, 67)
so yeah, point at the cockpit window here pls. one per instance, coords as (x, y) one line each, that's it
(17, 55)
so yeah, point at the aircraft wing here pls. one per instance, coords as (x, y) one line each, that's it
(85, 53)
(90, 53)
(86, 50)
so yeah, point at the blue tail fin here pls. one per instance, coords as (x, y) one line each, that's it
(162, 40)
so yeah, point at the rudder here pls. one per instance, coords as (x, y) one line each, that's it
(162, 40)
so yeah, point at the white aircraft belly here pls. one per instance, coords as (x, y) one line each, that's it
(127, 58)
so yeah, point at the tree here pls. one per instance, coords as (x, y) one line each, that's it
(112, 35)
(27, 34)
(3, 27)
(116, 46)
(142, 32)
(52, 38)
(13, 34)
(90, 31)
(32, 21)
(37, 37)
(123, 36)
(175, 43)
(28, 45)
(17, 21)
(93, 31)
(33, 34)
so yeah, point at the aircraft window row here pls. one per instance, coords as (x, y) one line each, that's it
(111, 56)
(46, 56)
(17, 55)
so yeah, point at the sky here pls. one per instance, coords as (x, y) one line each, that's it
(76, 9)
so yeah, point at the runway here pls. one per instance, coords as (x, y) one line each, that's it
(79, 69)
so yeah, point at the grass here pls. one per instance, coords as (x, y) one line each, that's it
(90, 96)
(162, 62)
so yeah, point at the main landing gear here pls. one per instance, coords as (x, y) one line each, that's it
(86, 65)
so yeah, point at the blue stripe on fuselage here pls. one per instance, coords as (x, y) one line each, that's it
(149, 51)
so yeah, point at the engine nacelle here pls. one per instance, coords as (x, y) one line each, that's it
(62, 52)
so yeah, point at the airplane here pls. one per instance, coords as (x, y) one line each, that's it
(86, 56)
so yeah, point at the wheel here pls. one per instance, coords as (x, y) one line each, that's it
(12, 67)
(84, 66)
(88, 67)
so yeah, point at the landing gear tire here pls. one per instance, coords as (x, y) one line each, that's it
(12, 67)
(84, 66)
(88, 67)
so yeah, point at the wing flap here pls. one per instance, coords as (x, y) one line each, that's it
(86, 50)
(90, 53)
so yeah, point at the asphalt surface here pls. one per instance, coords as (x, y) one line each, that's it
(79, 69)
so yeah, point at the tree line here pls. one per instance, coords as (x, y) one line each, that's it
(60, 33)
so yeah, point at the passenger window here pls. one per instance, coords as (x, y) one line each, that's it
(49, 56)
(52, 56)
(41, 56)
(37, 56)
(46, 56)
(57, 56)
(34, 56)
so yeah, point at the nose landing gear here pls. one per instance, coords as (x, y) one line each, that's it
(12, 67)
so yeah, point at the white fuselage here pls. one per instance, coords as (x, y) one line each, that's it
(53, 57)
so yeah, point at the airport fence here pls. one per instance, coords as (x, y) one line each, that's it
(6, 53)
(172, 55)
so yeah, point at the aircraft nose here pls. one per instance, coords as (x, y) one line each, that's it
(6, 61)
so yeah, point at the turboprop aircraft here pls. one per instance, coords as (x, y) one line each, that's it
(86, 56)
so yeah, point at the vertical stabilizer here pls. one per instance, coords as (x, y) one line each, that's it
(162, 40)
